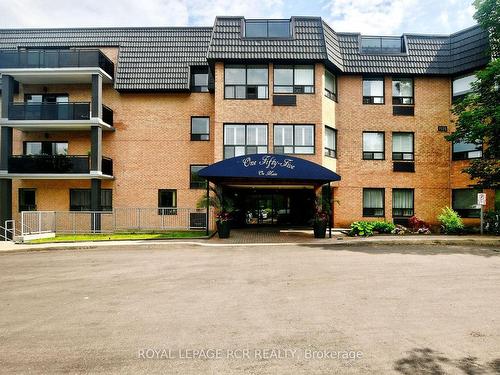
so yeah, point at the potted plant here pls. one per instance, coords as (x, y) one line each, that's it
(223, 222)
(321, 217)
(223, 209)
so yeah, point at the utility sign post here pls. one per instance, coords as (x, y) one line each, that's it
(481, 201)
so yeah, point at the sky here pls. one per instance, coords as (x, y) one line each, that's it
(372, 17)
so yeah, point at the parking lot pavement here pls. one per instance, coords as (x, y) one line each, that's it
(181, 309)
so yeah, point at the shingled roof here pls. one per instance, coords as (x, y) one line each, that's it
(426, 54)
(149, 58)
(158, 59)
(227, 44)
(315, 40)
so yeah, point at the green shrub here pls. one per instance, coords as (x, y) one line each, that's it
(492, 222)
(383, 226)
(451, 223)
(361, 228)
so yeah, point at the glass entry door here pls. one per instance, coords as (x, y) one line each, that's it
(264, 209)
(279, 207)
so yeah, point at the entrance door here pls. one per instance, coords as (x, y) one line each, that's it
(280, 207)
(259, 209)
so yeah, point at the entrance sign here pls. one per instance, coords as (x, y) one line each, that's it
(481, 199)
(268, 167)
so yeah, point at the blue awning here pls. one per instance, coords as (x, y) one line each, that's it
(270, 167)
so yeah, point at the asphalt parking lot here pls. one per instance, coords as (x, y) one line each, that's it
(184, 309)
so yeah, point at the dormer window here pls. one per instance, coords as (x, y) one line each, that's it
(199, 78)
(385, 45)
(267, 29)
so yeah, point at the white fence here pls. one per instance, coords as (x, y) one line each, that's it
(118, 220)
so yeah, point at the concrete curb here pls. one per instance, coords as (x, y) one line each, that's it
(387, 241)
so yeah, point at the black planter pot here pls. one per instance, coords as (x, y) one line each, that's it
(320, 229)
(223, 229)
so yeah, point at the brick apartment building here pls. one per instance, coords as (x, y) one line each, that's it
(100, 118)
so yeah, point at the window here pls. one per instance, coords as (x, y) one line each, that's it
(267, 29)
(32, 148)
(402, 146)
(80, 200)
(373, 90)
(106, 200)
(167, 202)
(330, 142)
(46, 98)
(402, 91)
(373, 145)
(199, 78)
(45, 148)
(373, 202)
(27, 199)
(464, 151)
(244, 139)
(246, 82)
(330, 86)
(464, 201)
(195, 181)
(382, 45)
(462, 86)
(497, 200)
(293, 79)
(200, 128)
(294, 139)
(402, 203)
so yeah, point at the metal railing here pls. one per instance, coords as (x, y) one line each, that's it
(107, 166)
(60, 164)
(118, 220)
(107, 115)
(56, 111)
(49, 111)
(54, 58)
(8, 231)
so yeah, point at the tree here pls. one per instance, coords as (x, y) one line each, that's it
(478, 114)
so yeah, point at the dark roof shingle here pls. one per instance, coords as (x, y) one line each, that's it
(158, 59)
(149, 58)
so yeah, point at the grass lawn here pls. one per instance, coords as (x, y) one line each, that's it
(120, 236)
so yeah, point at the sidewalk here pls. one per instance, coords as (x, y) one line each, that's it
(236, 242)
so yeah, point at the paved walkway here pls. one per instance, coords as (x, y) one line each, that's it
(271, 237)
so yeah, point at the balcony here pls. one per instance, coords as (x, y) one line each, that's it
(56, 116)
(60, 66)
(56, 167)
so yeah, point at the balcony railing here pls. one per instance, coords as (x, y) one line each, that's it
(55, 164)
(56, 111)
(64, 58)
(49, 111)
(107, 115)
(107, 166)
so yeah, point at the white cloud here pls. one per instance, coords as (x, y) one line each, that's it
(72, 13)
(394, 17)
(369, 16)
(382, 17)
(203, 12)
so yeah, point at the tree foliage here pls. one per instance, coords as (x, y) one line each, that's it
(488, 16)
(478, 114)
